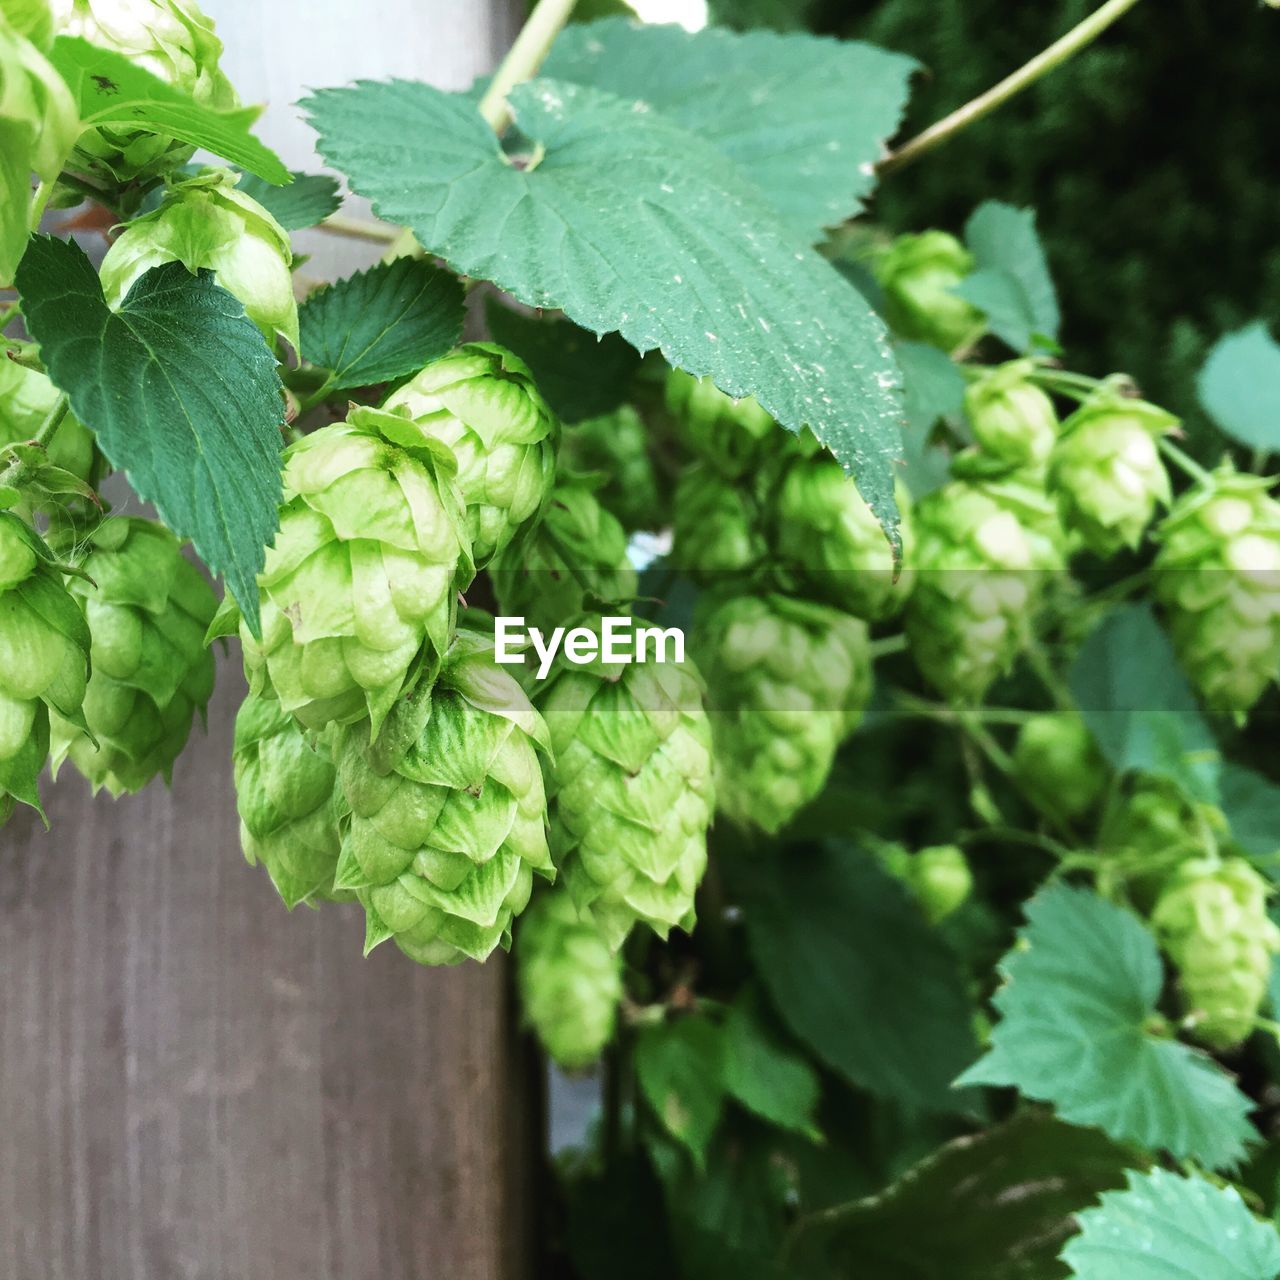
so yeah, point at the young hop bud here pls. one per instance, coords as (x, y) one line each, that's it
(919, 274)
(1058, 765)
(481, 401)
(205, 222)
(938, 877)
(1106, 471)
(616, 448)
(44, 660)
(26, 400)
(715, 526)
(171, 39)
(1218, 577)
(443, 841)
(147, 609)
(1013, 420)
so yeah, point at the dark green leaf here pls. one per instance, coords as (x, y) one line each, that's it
(626, 222)
(764, 1073)
(182, 393)
(1239, 387)
(381, 324)
(935, 389)
(680, 1066)
(1252, 805)
(308, 199)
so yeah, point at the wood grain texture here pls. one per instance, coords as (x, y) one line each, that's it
(197, 1085)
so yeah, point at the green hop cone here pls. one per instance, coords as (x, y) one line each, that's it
(1106, 472)
(148, 609)
(204, 222)
(481, 401)
(26, 400)
(569, 979)
(918, 275)
(1058, 766)
(1212, 920)
(44, 660)
(787, 682)
(171, 39)
(616, 448)
(359, 591)
(715, 525)
(833, 544)
(938, 877)
(448, 813)
(1218, 577)
(632, 789)
(577, 550)
(288, 799)
(1013, 420)
(983, 552)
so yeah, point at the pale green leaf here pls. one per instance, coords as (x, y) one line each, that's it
(626, 222)
(181, 391)
(679, 1066)
(764, 1073)
(308, 199)
(1239, 387)
(1077, 1005)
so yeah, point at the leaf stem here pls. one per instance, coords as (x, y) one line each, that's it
(90, 192)
(524, 58)
(7, 314)
(1047, 60)
(13, 473)
(1183, 461)
(888, 645)
(338, 224)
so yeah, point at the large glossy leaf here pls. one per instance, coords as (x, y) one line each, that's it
(181, 391)
(1239, 387)
(625, 221)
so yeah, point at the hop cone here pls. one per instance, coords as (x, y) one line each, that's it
(44, 660)
(481, 401)
(26, 400)
(288, 799)
(787, 681)
(577, 550)
(147, 615)
(1212, 921)
(174, 41)
(632, 790)
(938, 877)
(616, 448)
(919, 275)
(1106, 471)
(1218, 577)
(1058, 766)
(448, 813)
(570, 980)
(360, 588)
(715, 527)
(982, 553)
(828, 536)
(1012, 418)
(205, 222)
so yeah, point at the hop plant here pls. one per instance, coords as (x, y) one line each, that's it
(1013, 420)
(26, 400)
(1058, 765)
(204, 221)
(448, 812)
(44, 660)
(481, 401)
(938, 877)
(171, 39)
(147, 608)
(833, 544)
(615, 447)
(919, 275)
(569, 978)
(359, 592)
(1106, 473)
(716, 528)
(578, 550)
(1212, 921)
(288, 800)
(982, 553)
(632, 790)
(788, 680)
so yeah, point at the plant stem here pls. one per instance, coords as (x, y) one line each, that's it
(1182, 461)
(889, 645)
(7, 312)
(1047, 60)
(524, 58)
(11, 474)
(90, 192)
(338, 224)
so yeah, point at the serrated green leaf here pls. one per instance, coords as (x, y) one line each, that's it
(310, 198)
(934, 389)
(995, 1206)
(1166, 1227)
(625, 222)
(1011, 281)
(1080, 989)
(828, 928)
(764, 1073)
(182, 393)
(1239, 387)
(381, 324)
(1252, 805)
(111, 88)
(1138, 704)
(805, 117)
(679, 1066)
